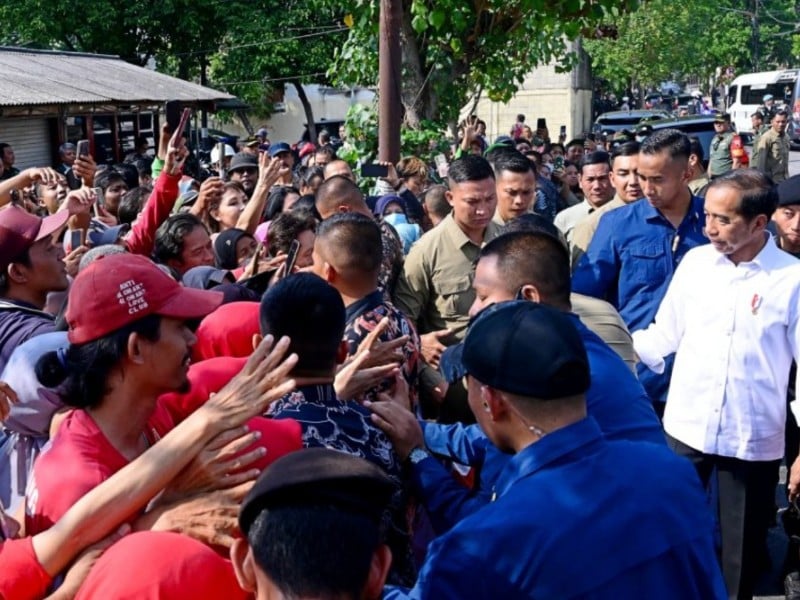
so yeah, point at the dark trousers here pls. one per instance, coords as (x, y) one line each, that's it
(745, 509)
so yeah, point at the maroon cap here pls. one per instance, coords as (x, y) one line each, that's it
(118, 289)
(19, 230)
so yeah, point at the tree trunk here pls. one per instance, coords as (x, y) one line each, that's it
(301, 93)
(413, 92)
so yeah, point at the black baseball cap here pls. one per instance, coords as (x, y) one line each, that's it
(789, 191)
(528, 349)
(318, 477)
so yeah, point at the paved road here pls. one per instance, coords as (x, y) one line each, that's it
(794, 163)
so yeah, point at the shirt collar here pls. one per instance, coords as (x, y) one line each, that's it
(453, 232)
(555, 446)
(769, 256)
(695, 211)
(365, 304)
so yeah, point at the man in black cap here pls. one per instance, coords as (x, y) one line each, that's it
(727, 151)
(563, 490)
(785, 224)
(244, 171)
(320, 499)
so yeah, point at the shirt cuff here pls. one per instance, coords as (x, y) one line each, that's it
(647, 356)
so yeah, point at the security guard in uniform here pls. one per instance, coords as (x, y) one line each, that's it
(757, 121)
(727, 151)
(773, 149)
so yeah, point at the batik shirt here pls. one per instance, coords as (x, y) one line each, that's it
(392, 260)
(362, 318)
(345, 426)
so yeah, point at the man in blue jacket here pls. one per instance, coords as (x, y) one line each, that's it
(534, 267)
(573, 515)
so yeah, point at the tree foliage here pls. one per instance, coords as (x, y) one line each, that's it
(453, 49)
(664, 40)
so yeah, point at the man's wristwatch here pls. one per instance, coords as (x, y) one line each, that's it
(417, 455)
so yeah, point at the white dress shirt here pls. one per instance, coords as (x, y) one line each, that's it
(735, 330)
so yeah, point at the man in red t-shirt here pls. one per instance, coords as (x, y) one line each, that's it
(129, 344)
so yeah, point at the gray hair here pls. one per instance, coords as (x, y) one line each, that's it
(95, 253)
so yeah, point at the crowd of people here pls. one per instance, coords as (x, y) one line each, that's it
(544, 369)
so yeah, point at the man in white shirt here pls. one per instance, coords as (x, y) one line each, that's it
(595, 182)
(732, 315)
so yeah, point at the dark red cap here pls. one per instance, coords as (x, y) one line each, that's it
(19, 230)
(118, 289)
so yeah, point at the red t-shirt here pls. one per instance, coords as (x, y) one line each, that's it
(21, 575)
(154, 565)
(79, 458)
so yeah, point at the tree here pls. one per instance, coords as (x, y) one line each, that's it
(265, 49)
(454, 49)
(166, 30)
(663, 39)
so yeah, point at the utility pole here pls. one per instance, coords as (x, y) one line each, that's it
(754, 25)
(389, 74)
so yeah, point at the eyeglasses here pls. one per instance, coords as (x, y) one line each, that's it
(246, 171)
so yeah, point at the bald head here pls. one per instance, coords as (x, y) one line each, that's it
(339, 194)
(338, 168)
(351, 243)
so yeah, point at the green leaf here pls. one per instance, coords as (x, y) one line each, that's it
(436, 18)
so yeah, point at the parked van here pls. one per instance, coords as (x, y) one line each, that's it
(746, 93)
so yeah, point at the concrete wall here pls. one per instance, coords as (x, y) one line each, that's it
(561, 98)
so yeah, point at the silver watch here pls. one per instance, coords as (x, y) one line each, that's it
(417, 455)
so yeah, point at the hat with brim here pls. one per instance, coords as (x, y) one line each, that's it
(120, 289)
(107, 236)
(19, 230)
(278, 148)
(722, 118)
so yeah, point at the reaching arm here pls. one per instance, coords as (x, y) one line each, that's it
(269, 171)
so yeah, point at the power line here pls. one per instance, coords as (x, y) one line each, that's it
(221, 83)
(223, 47)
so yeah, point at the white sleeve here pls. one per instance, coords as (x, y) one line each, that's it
(663, 336)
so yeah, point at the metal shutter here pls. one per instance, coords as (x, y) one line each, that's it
(30, 140)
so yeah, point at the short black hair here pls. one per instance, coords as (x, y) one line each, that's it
(337, 191)
(130, 174)
(696, 148)
(104, 179)
(170, 235)
(311, 312)
(499, 150)
(469, 168)
(537, 259)
(132, 203)
(782, 112)
(673, 141)
(355, 240)
(575, 142)
(23, 258)
(625, 149)
(85, 368)
(326, 150)
(285, 228)
(598, 157)
(759, 194)
(276, 199)
(515, 162)
(315, 551)
(557, 145)
(436, 202)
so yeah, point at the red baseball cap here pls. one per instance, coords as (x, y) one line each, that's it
(19, 230)
(118, 289)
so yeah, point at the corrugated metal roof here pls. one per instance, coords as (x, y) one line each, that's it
(36, 77)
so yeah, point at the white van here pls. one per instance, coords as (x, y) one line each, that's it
(746, 94)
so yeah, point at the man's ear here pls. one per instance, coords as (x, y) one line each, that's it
(17, 273)
(378, 571)
(243, 565)
(343, 208)
(530, 293)
(448, 195)
(329, 273)
(494, 401)
(257, 339)
(136, 348)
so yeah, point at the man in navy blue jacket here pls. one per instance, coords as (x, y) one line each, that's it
(534, 267)
(573, 515)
